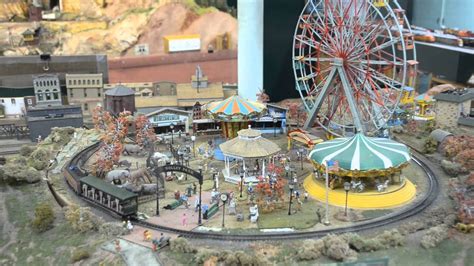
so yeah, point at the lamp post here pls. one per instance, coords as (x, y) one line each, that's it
(291, 186)
(214, 180)
(275, 121)
(157, 197)
(347, 187)
(224, 199)
(172, 130)
(301, 157)
(200, 199)
(193, 139)
(180, 153)
(241, 183)
(326, 219)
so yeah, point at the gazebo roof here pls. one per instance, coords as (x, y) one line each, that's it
(234, 107)
(249, 144)
(361, 153)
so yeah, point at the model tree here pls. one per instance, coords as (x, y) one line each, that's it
(270, 191)
(145, 135)
(112, 138)
(296, 113)
(98, 118)
(263, 97)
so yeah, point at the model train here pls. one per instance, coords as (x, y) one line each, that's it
(95, 190)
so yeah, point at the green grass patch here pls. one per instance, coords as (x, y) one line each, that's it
(304, 219)
(371, 214)
(55, 245)
(179, 258)
(469, 257)
(444, 254)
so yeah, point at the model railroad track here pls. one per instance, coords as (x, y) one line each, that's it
(413, 210)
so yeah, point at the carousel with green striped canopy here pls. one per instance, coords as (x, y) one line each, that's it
(361, 158)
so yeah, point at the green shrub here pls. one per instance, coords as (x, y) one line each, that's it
(434, 236)
(39, 159)
(181, 245)
(82, 219)
(391, 238)
(430, 145)
(310, 250)
(26, 150)
(44, 217)
(79, 254)
(337, 248)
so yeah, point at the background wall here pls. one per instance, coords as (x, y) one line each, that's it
(458, 13)
(280, 18)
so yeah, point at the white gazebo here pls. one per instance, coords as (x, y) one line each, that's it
(248, 147)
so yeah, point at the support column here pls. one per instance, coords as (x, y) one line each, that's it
(250, 52)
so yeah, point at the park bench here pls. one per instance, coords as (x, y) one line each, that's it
(211, 211)
(173, 205)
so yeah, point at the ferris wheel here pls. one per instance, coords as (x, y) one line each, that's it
(353, 60)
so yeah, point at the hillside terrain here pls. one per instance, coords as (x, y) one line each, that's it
(113, 27)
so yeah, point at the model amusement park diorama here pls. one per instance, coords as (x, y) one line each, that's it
(162, 156)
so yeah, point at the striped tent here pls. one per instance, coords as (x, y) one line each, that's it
(360, 153)
(234, 108)
(425, 97)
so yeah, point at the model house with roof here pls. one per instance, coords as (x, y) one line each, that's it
(455, 108)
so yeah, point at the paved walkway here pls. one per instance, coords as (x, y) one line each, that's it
(133, 254)
(137, 236)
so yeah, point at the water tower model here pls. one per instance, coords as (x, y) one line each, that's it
(119, 99)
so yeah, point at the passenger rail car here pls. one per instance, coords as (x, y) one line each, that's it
(96, 191)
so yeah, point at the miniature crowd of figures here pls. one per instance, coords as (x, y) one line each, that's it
(156, 242)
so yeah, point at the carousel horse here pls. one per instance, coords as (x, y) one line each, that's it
(357, 186)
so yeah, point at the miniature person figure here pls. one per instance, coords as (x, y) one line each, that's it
(297, 194)
(318, 214)
(194, 188)
(184, 220)
(177, 195)
(145, 233)
(117, 246)
(299, 204)
(196, 204)
(214, 194)
(39, 139)
(129, 226)
(184, 199)
(231, 196)
(189, 191)
(162, 237)
(306, 196)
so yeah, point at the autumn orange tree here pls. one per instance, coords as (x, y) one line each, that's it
(268, 194)
(144, 132)
(113, 131)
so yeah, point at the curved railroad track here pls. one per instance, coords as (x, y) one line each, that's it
(412, 210)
